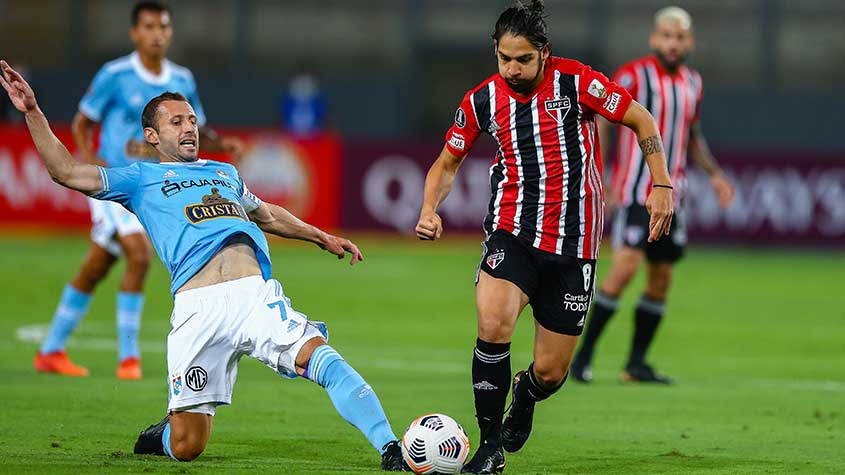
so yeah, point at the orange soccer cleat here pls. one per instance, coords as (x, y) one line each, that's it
(130, 369)
(57, 362)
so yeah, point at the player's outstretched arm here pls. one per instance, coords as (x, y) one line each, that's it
(276, 220)
(61, 165)
(699, 153)
(659, 204)
(438, 184)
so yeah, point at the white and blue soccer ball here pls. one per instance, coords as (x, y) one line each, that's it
(435, 443)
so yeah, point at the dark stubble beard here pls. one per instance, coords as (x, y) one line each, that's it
(672, 67)
(524, 87)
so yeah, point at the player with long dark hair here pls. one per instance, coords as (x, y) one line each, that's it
(545, 214)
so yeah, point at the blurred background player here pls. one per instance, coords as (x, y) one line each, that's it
(545, 215)
(115, 99)
(672, 92)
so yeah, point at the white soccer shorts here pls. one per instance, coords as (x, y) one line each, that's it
(213, 327)
(110, 219)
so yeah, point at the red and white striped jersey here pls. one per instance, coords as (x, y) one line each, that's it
(546, 177)
(674, 100)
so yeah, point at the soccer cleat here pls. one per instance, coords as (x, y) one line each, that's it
(392, 460)
(644, 373)
(57, 362)
(129, 369)
(581, 371)
(149, 440)
(489, 458)
(519, 421)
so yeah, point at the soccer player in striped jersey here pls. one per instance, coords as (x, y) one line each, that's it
(545, 214)
(115, 99)
(672, 92)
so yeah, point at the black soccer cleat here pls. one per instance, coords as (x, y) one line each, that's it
(643, 373)
(149, 440)
(489, 458)
(391, 459)
(581, 371)
(519, 421)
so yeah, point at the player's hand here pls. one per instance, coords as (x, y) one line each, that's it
(430, 226)
(660, 206)
(340, 246)
(234, 146)
(21, 95)
(723, 188)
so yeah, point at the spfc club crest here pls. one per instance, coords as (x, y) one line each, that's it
(493, 260)
(558, 108)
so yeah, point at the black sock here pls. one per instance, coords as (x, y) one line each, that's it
(646, 320)
(604, 307)
(491, 378)
(529, 391)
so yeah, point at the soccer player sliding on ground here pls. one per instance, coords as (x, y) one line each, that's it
(545, 215)
(207, 229)
(672, 92)
(120, 89)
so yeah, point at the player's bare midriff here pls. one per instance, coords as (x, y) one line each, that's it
(234, 261)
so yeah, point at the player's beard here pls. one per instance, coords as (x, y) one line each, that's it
(527, 85)
(671, 66)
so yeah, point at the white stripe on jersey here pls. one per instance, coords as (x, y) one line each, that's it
(582, 185)
(520, 182)
(541, 162)
(497, 204)
(565, 179)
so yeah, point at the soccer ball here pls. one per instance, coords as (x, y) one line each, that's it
(435, 443)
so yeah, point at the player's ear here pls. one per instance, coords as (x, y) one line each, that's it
(546, 52)
(151, 136)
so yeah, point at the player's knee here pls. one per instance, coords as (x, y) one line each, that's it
(549, 376)
(494, 330)
(138, 259)
(187, 448)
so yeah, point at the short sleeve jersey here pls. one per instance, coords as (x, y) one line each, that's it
(189, 210)
(546, 177)
(116, 99)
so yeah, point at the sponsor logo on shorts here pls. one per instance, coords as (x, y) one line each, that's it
(484, 386)
(176, 384)
(612, 102)
(493, 260)
(214, 206)
(457, 141)
(460, 118)
(633, 234)
(581, 322)
(576, 303)
(196, 378)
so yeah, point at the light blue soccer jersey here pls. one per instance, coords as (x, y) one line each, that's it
(189, 210)
(116, 99)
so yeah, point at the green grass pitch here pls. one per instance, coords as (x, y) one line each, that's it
(756, 340)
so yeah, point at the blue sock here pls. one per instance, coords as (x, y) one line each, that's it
(353, 398)
(72, 307)
(165, 442)
(129, 307)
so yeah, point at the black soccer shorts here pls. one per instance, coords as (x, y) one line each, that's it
(630, 228)
(559, 288)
